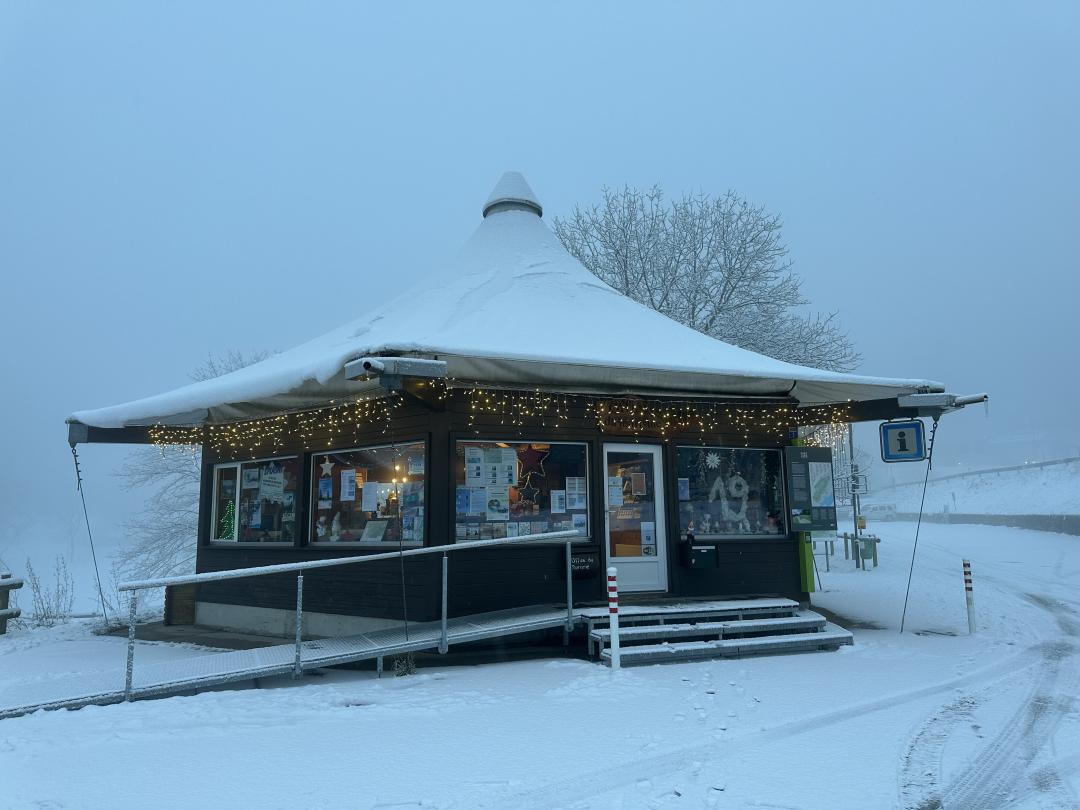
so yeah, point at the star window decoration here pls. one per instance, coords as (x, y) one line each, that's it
(327, 466)
(712, 460)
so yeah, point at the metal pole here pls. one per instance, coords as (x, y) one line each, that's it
(131, 645)
(569, 595)
(854, 478)
(847, 548)
(613, 615)
(877, 540)
(297, 669)
(970, 597)
(444, 642)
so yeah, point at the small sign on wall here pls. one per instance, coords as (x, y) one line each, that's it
(902, 441)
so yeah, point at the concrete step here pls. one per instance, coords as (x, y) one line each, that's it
(830, 638)
(804, 622)
(728, 610)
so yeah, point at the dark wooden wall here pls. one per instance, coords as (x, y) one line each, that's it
(481, 580)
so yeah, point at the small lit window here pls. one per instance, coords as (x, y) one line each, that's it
(372, 495)
(511, 489)
(729, 492)
(255, 501)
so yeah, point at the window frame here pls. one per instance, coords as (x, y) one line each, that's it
(238, 466)
(785, 530)
(309, 539)
(459, 438)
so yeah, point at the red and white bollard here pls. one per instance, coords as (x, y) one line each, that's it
(970, 597)
(613, 614)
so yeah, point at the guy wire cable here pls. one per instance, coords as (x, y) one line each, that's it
(86, 517)
(918, 525)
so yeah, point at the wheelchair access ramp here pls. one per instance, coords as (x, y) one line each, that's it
(215, 669)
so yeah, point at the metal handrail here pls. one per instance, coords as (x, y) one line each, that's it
(567, 536)
(281, 568)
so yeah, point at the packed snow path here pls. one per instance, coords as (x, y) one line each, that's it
(925, 719)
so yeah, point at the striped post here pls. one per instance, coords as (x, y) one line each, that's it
(613, 614)
(970, 597)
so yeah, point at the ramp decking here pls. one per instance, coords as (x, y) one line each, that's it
(214, 669)
(644, 623)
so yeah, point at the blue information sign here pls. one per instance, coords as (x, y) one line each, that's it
(903, 441)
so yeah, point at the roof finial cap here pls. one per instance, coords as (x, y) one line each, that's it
(512, 193)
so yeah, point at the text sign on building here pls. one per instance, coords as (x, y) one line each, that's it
(811, 500)
(903, 441)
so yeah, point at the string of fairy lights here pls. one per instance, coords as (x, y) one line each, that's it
(517, 410)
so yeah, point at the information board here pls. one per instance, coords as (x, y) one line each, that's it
(811, 500)
(902, 441)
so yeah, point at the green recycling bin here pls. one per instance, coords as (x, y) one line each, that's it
(868, 549)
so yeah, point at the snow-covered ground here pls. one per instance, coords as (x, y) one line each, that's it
(1050, 490)
(895, 721)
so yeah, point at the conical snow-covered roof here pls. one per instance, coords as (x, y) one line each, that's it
(513, 308)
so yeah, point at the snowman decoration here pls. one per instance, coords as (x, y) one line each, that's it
(734, 494)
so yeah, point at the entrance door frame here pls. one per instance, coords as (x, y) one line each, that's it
(640, 574)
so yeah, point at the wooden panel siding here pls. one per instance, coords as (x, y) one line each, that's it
(479, 580)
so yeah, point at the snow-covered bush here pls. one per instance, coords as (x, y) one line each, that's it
(51, 605)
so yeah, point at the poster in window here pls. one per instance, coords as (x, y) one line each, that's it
(326, 489)
(255, 521)
(370, 498)
(637, 483)
(684, 489)
(498, 503)
(615, 490)
(348, 486)
(416, 465)
(462, 501)
(575, 493)
(251, 478)
(477, 501)
(648, 533)
(474, 466)
(228, 488)
(580, 522)
(558, 501)
(272, 483)
(512, 528)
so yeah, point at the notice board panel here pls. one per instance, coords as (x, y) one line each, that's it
(811, 500)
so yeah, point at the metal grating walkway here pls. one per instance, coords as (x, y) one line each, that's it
(74, 691)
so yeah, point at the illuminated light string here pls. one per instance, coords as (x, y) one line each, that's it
(328, 426)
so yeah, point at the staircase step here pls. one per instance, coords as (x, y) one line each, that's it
(785, 624)
(629, 620)
(832, 637)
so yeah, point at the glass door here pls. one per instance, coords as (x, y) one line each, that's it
(636, 540)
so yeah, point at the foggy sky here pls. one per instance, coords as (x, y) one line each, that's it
(185, 179)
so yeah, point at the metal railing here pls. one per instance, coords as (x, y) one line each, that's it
(284, 568)
(8, 584)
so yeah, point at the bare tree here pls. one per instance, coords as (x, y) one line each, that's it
(718, 265)
(162, 537)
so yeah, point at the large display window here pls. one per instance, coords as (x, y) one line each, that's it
(369, 495)
(255, 501)
(729, 492)
(515, 488)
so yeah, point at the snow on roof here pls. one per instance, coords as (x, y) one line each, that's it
(514, 308)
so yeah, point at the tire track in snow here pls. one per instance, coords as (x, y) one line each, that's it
(583, 785)
(921, 765)
(1001, 769)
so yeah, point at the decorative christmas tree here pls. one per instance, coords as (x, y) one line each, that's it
(227, 525)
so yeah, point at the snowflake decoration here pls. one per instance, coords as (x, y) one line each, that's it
(712, 460)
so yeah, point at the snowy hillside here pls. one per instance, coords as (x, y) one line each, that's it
(1051, 489)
